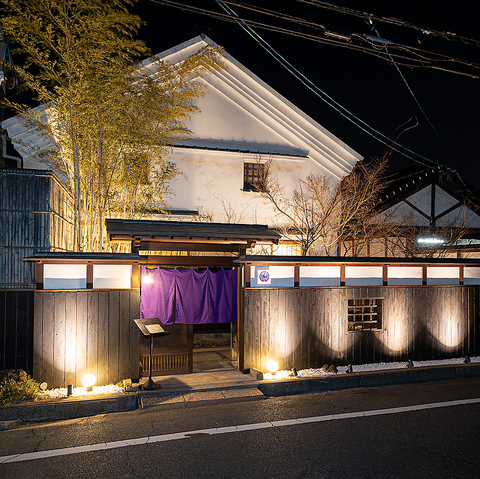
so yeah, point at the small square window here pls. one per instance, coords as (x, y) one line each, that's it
(252, 175)
(365, 314)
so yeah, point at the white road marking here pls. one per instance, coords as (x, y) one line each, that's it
(29, 456)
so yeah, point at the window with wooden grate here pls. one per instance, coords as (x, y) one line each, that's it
(365, 314)
(252, 175)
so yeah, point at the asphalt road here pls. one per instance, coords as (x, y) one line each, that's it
(427, 430)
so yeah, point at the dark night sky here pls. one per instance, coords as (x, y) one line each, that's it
(370, 88)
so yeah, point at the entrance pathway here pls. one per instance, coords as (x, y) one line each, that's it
(211, 360)
(213, 378)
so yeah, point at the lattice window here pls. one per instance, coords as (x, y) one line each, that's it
(252, 175)
(365, 314)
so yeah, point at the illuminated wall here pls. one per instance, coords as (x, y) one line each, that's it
(308, 327)
(80, 332)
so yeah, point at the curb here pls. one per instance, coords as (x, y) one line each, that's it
(70, 408)
(288, 387)
(67, 408)
(53, 410)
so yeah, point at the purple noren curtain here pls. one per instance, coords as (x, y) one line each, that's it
(191, 297)
(200, 296)
(157, 297)
(223, 296)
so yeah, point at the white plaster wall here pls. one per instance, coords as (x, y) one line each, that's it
(471, 275)
(213, 183)
(363, 276)
(112, 276)
(223, 121)
(405, 276)
(443, 275)
(64, 276)
(319, 275)
(403, 214)
(280, 276)
(422, 199)
(463, 217)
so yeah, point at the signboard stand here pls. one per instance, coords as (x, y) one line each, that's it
(150, 327)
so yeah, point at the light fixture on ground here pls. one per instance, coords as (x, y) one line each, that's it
(88, 381)
(272, 366)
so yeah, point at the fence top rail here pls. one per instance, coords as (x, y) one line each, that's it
(352, 261)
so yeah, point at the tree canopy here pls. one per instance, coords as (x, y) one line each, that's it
(321, 212)
(111, 117)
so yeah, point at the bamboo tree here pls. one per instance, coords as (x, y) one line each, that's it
(112, 120)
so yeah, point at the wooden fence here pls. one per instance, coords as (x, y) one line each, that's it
(36, 214)
(308, 327)
(79, 332)
(16, 330)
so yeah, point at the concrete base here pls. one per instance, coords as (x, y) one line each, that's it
(293, 386)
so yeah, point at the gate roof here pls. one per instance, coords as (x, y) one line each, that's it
(189, 232)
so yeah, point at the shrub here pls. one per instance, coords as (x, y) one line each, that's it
(12, 392)
(18, 375)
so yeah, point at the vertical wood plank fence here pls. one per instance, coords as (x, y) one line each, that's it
(308, 327)
(16, 330)
(80, 332)
(36, 214)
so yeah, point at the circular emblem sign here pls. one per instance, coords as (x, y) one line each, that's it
(264, 276)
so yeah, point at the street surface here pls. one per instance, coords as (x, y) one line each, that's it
(427, 430)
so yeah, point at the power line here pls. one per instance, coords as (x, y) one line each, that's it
(375, 19)
(414, 97)
(404, 55)
(325, 97)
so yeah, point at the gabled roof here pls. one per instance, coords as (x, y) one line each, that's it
(240, 112)
(401, 185)
(275, 125)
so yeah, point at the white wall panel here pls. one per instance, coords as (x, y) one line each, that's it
(363, 276)
(405, 276)
(443, 275)
(64, 276)
(112, 276)
(319, 275)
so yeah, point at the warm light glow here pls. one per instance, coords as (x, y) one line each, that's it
(272, 366)
(147, 278)
(430, 240)
(448, 333)
(88, 380)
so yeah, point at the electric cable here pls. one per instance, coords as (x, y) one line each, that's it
(413, 95)
(418, 58)
(369, 17)
(328, 100)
